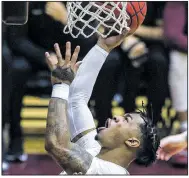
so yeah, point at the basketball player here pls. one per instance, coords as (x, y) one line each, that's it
(80, 148)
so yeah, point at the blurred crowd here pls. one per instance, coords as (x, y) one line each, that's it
(156, 54)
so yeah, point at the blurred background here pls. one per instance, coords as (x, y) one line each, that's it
(149, 66)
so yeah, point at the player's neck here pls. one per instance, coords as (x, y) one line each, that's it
(118, 156)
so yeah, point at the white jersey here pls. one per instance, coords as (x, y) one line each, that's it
(98, 166)
(80, 117)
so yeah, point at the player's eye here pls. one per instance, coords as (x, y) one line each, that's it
(126, 118)
(114, 118)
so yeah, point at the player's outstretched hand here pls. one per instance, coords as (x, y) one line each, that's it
(63, 71)
(111, 42)
(171, 145)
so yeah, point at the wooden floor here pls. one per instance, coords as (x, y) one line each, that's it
(44, 165)
(34, 114)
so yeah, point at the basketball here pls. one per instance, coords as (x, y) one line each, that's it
(136, 11)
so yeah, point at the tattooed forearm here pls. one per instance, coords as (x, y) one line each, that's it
(74, 159)
(69, 156)
(57, 129)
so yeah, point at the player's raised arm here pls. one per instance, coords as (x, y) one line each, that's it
(80, 118)
(69, 156)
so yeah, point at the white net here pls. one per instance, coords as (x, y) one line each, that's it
(104, 18)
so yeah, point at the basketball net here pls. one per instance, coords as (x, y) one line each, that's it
(87, 18)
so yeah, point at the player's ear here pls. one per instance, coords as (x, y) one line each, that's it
(132, 142)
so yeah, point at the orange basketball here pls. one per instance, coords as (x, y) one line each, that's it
(137, 12)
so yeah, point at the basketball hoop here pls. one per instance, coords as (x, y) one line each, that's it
(103, 18)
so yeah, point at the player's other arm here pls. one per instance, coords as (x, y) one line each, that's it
(69, 156)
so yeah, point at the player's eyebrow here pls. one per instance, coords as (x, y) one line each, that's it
(127, 115)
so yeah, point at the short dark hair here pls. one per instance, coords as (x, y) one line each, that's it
(146, 154)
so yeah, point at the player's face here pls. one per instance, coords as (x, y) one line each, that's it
(119, 129)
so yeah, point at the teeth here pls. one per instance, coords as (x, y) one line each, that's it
(100, 128)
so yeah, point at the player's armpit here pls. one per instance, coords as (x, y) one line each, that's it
(73, 160)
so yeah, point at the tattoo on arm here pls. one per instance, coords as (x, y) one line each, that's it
(74, 159)
(57, 129)
(69, 156)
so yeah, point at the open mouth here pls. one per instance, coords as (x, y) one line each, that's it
(107, 124)
(100, 129)
(105, 127)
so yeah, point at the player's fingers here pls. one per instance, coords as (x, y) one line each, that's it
(49, 61)
(118, 39)
(124, 32)
(167, 157)
(121, 36)
(75, 56)
(77, 65)
(68, 52)
(59, 55)
(163, 154)
(158, 153)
